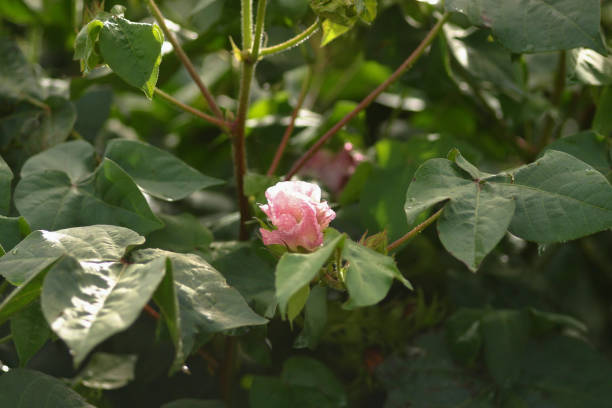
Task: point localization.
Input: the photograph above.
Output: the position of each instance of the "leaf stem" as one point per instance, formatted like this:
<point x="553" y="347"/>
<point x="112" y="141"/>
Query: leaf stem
<point x="415" y="230"/>
<point x="6" y="338"/>
<point x="185" y="60"/>
<point x="221" y="123"/>
<point x="283" y="144"/>
<point x="408" y="63"/>
<point x="555" y="99"/>
<point x="259" y="24"/>
<point x="292" y="42"/>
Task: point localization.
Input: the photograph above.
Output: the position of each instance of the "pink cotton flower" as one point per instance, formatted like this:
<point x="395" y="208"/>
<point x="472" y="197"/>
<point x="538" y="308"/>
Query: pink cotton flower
<point x="296" y="210"/>
<point x="333" y="170"/>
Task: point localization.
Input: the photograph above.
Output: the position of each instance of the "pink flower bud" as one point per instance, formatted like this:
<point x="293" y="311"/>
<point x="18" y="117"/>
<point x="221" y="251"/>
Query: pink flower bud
<point x="296" y="210"/>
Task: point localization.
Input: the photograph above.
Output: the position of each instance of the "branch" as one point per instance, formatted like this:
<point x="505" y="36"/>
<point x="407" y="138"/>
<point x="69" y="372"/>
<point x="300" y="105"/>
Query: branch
<point x="185" y="60"/>
<point x="283" y="144"/>
<point x="415" y="230"/>
<point x="408" y="63"/>
<point x="303" y="36"/>
<point x="221" y="123"/>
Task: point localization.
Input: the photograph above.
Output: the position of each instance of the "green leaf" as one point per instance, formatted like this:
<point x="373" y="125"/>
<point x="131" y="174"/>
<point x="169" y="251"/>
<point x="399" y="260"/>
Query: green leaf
<point x="297" y="302"/>
<point x="207" y="304"/>
<point x="23" y="388"/>
<point x="246" y="270"/>
<point x="537" y="25"/>
<point x="86" y="302"/>
<point x="315" y="319"/>
<point x="505" y="334"/>
<point x="106" y="371"/>
<point x="353" y="188"/>
<point x="369" y="275"/>
<point x="167" y="301"/>
<point x="408" y="377"/>
<point x="294" y="271"/>
<point x="331" y="31"/>
<point x="181" y="233"/>
<point x="589" y="67"/>
<point x="546" y="321"/>
<point x="76" y="158"/>
<point x="6" y="177"/>
<point x="304" y="383"/>
<point x="554" y="199"/>
<point x="40" y="249"/>
<point x="194" y="403"/>
<point x="156" y="171"/>
<point x="50" y="200"/>
<point x="85" y="45"/>
<point x="132" y="51"/>
<point x="565" y="372"/>
<point x="30" y="332"/>
<point x="17" y="76"/>
<point x="21" y="296"/>
<point x="559" y="198"/>
<point x="589" y="147"/>
<point x="471" y="226"/>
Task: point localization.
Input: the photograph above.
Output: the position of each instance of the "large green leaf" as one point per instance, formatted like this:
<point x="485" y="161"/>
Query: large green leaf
<point x="86" y="302"/>
<point x="50" y="200"/>
<point x="96" y="243"/>
<point x="23" y="388"/>
<point x="369" y="275"/>
<point x="207" y="304"/>
<point x="556" y="198"/>
<point x="133" y="51"/>
<point x="589" y="147"/>
<point x="30" y="332"/>
<point x="76" y="159"/>
<point x="246" y="270"/>
<point x="6" y="176"/>
<point x="295" y="271"/>
<point x="537" y="25"/>
<point x="559" y="198"/>
<point x="156" y="171"/>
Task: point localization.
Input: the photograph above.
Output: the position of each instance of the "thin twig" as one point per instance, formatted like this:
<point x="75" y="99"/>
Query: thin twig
<point x="292" y="42"/>
<point x="185" y="60"/>
<point x="151" y="312"/>
<point x="408" y="63"/>
<point x="283" y="144"/>
<point x="415" y="230"/>
<point x="221" y="123"/>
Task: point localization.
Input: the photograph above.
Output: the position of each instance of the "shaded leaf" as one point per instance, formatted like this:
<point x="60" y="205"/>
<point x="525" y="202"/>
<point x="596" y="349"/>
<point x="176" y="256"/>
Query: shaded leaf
<point x="315" y="319"/>
<point x="23" y="388"/>
<point x="156" y="171"/>
<point x="12" y="231"/>
<point x="194" y="403"/>
<point x="589" y="147"/>
<point x="17" y="76"/>
<point x="76" y="159"/>
<point x="30" y="332"/>
<point x="181" y="233"/>
<point x="537" y="25"/>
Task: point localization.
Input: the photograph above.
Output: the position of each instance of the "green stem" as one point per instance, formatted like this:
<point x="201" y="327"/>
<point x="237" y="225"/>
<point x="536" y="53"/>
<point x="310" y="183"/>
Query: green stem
<point x="221" y="123"/>
<point x="303" y="36"/>
<point x="555" y="100"/>
<point x="408" y="63"/>
<point x="415" y="230"/>
<point x="185" y="60"/>
<point x="247" y="23"/>
<point x="259" y="24"/>
<point x="6" y="338"/>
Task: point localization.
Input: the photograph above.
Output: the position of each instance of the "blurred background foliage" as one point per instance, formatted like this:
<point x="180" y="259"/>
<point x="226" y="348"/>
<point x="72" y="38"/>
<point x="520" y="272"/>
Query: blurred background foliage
<point x="421" y="349"/>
